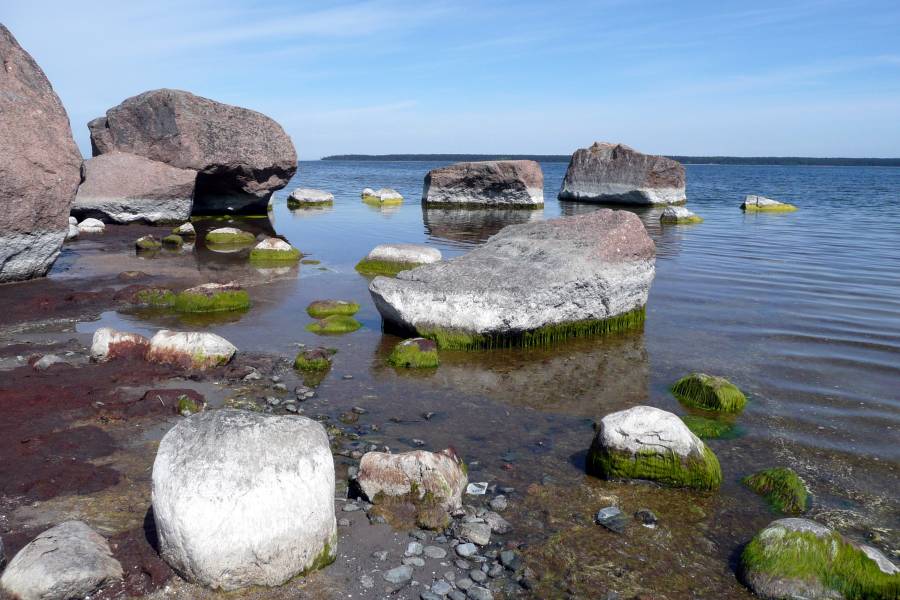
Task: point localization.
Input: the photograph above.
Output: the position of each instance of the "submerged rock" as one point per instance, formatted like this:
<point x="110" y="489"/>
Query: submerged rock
<point x="390" y="259"/>
<point x="109" y="343"/>
<point x="40" y="166"/>
<point x="334" y="324"/>
<point x="243" y="499"/>
<point x="615" y="173"/>
<point x="240" y="155"/>
<point x="799" y="558"/>
<point x="68" y="561"/>
<point x="190" y="349"/>
<point x="382" y="196"/>
<point x="185" y="230"/>
<point x="212" y="297"/>
<point x="416" y="353"/>
<point x="147" y="243"/>
<point x="754" y="203"/>
<point x="679" y="215"/>
<point x="325" y="308"/>
<point x="274" y="250"/>
<point x="91" y="225"/>
<point x="173" y="241"/>
<point x="531" y="284"/>
<point x="125" y="188"/>
<point x="314" y="359"/>
<point x="648" y="443"/>
<point x="494" y="183"/>
<point x="782" y="487"/>
<point x="709" y="392"/>
<point x="229" y="236"/>
<point x="305" y="197"/>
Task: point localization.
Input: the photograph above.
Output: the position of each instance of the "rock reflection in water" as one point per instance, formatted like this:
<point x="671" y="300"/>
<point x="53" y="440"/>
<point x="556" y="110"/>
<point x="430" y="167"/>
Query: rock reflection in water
<point x="471" y="226"/>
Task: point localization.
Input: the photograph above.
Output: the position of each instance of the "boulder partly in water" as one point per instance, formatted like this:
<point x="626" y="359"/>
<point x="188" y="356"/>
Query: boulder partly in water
<point x="494" y="183"/>
<point x="190" y="349"/>
<point x="531" y="284"/>
<point x="617" y="174"/>
<point x="753" y="203"/>
<point x="390" y="259"/>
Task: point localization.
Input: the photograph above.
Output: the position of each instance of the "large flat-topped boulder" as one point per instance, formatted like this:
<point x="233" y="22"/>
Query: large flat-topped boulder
<point x="241" y="156"/>
<point x="499" y="183"/>
<point x="125" y="188"/>
<point x="617" y="174"/>
<point x="39" y="166"/>
<point x="530" y="284"/>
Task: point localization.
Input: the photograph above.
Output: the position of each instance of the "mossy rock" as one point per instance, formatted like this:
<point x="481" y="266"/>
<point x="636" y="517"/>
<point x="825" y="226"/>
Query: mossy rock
<point x="335" y="324"/>
<point x="703" y="473"/>
<point x="384" y="267"/>
<point x="692" y="220"/>
<point x="781" y="207"/>
<point x="782" y="487"/>
<point x="417" y="353"/>
<point x="229" y="237"/>
<point x="710" y="429"/>
<point x="377" y="201"/>
<point x="326" y="308"/>
<point x="324" y="558"/>
<point x="315" y="359"/>
<point x="709" y="392"/>
<point x="147" y="243"/>
<point x="796" y="558"/>
<point x="187" y="406"/>
<point x="173" y="241"/>
<point x="536" y="338"/>
<point x="267" y="255"/>
<point x="226" y="300"/>
<point x="155" y="297"/>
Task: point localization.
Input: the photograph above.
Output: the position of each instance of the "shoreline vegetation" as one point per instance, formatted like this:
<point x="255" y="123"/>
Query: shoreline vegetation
<point x="688" y="160"/>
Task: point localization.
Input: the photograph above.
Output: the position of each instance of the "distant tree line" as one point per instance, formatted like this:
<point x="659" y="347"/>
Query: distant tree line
<point x="696" y="160"/>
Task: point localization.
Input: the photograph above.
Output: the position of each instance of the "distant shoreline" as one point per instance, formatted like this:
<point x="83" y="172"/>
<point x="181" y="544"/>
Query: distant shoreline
<point x="688" y="160"/>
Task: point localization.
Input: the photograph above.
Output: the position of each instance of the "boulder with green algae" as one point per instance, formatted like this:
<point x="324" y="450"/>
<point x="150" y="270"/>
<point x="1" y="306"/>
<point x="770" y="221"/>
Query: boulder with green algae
<point x="709" y="392"/>
<point x="308" y="198"/>
<point x="753" y="203"/>
<point x="326" y="308"/>
<point x="314" y="359"/>
<point x="173" y="241"/>
<point x="796" y="558"/>
<point x="334" y="324"/>
<point x="782" y="487"/>
<point x="212" y="297"/>
<point x="416" y="353"/>
<point x="709" y="429"/>
<point x="390" y="259"/>
<point x="679" y="215"/>
<point x="274" y="250"/>
<point x="185" y="230"/>
<point x="381" y="196"/>
<point x="147" y="243"/>
<point x="648" y="443"/>
<point x="229" y="236"/>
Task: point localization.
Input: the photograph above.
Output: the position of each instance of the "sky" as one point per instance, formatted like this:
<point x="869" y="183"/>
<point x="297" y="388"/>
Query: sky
<point x="787" y="78"/>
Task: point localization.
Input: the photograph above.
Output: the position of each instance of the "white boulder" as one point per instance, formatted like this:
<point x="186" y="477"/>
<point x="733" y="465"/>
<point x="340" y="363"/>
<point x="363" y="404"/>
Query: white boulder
<point x="383" y="195"/>
<point x="405" y="253"/>
<point x="91" y="225"/>
<point x="242" y="498"/>
<point x="109" y="343"/>
<point x="678" y="215"/>
<point x="190" y="349"/>
<point x="185" y="230"/>
<point x="310" y="196"/>
<point x="67" y="561"/>
<point x="440" y="474"/>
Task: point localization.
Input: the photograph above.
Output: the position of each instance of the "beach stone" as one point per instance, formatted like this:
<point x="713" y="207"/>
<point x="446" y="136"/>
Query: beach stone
<point x="466" y="550"/>
<point x="40" y="166"/>
<point x="273" y="248"/>
<point x="497" y="523"/>
<point x="108" y="343"/>
<point x="615" y="173"/>
<point x="438" y="475"/>
<point x="493" y="183"/>
<point x="414" y="561"/>
<point x="754" y="203"/>
<point x="125" y="188"/>
<point x="479" y="593"/>
<point x="190" y="349"/>
<point x="47" y="361"/>
<point x="91" y="225"/>
<point x="428" y="595"/>
<point x="612" y="518"/>
<point x="240" y="156"/>
<point x="307" y="196"/>
<point x="414" y="549"/>
<point x="510" y="559"/>
<point x="68" y="561"/>
<point x="435" y="552"/>
<point x="477" y="575"/>
<point x="678" y="215"/>
<point x="644" y="442"/>
<point x="477" y="533"/>
<point x="242" y="498"/>
<point x="441" y="587"/>
<point x="399" y="576"/>
<point x="499" y="503"/>
<point x="405" y="253"/>
<point x="381" y="196"/>
<point x="553" y="273"/>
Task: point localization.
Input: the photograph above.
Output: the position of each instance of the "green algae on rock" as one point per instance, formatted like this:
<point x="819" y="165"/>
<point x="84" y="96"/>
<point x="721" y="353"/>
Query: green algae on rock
<point x="314" y="359"/>
<point x="391" y="259"/>
<point x="799" y="558"/>
<point x="679" y="215"/>
<point x="212" y="297"/>
<point x="782" y="487"/>
<point x="173" y="241"/>
<point x="185" y="230"/>
<point x="229" y="236"/>
<point x="416" y="353"/>
<point x="147" y="243"/>
<point x="155" y="297"/>
<point x="753" y="203"/>
<point x="334" y="324"/>
<point x="309" y="198"/>
<point x="381" y="197"/>
<point x="187" y="406"/>
<point x="274" y="250"/>
<point x="325" y="308"/>
<point x="709" y="392"/>
<point x="648" y="443"/>
<point x="381" y="267"/>
<point x="709" y="429"/>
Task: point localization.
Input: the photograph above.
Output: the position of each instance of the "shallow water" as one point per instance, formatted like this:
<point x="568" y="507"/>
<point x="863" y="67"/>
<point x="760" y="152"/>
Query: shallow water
<point x="801" y="310"/>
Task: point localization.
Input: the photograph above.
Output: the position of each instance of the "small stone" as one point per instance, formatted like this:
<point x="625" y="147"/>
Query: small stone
<point x="466" y="550"/>
<point x="463" y="564"/>
<point x="510" y="560"/>
<point x="495" y="571"/>
<point x="413" y="549"/>
<point x="499" y="503"/>
<point x="359" y="410"/>
<point x="646" y="517"/>
<point x="380" y="555"/>
<point x="435" y="552"/>
<point x="479" y="593"/>
<point x="478" y="533"/>
<point x="414" y="561"/>
<point x="399" y="575"/>
<point x="498" y="524"/>
<point x="464" y="583"/>
<point x="477" y="575"/>
<point x="280" y="387"/>
<point x="450" y="576"/>
<point x="440" y="587"/>
<point x="290" y="407"/>
<point x="612" y="518"/>
<point x="252" y="376"/>
<point x="47" y="361"/>
<point x="350" y="507"/>
<point x="343" y="522"/>
<point x="427" y="415"/>
<point x="477" y="488"/>
<point x="456" y="595"/>
<point x="429" y="596"/>
<point x="273" y="401"/>
<point x="367" y="582"/>
<point x="347" y="377"/>
<point x="418" y="442"/>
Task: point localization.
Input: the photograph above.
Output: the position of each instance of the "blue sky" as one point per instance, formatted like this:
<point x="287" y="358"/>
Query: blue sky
<point x="383" y="76"/>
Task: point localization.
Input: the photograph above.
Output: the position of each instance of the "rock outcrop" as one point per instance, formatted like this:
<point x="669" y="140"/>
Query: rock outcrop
<point x="68" y="561"/>
<point x="648" y="443"/>
<point x="494" y="183"/>
<point x="190" y="349"/>
<point x="124" y="188"/>
<point x="530" y="284"/>
<point x="242" y="498"/>
<point x="617" y="174"/>
<point x="240" y="156"/>
<point x="40" y="166"/>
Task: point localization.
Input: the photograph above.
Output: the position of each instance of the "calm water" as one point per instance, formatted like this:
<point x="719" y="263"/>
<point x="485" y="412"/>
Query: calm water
<point x="801" y="310"/>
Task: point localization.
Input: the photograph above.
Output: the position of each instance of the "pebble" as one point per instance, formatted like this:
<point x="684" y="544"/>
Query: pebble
<point x="456" y="595"/>
<point x="478" y="533"/>
<point x="429" y="596"/>
<point x="464" y="583"/>
<point x="276" y="379"/>
<point x="440" y="587"/>
<point x="413" y="549"/>
<point x="480" y="593"/>
<point x="413" y="561"/>
<point x="343" y="522"/>
<point x="347" y="377"/>
<point x="435" y="552"/>
<point x="510" y="560"/>
<point x="273" y="401"/>
<point x="463" y="564"/>
<point x="399" y="575"/>
<point x="477" y="575"/>
<point x="427" y="416"/>
<point x="380" y="555"/>
<point x="466" y="550"/>
<point x="359" y="410"/>
<point x="495" y="571"/>
<point x="477" y="488"/>
<point x="612" y="518"/>
<point x="290" y="407"/>
<point x="367" y="582"/>
<point x="499" y="503"/>
<point x="646" y="516"/>
<point x="418" y="442"/>
<point x="252" y="376"/>
<point x="350" y="507"/>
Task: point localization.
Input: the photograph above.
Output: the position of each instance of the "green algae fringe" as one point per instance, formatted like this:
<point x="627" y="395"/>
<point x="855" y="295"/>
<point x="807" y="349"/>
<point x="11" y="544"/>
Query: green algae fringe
<point x="709" y="393"/>
<point x="681" y="220"/>
<point x="334" y="324"/>
<point x="157" y="298"/>
<point x="383" y="267"/>
<point x="831" y="561"/>
<point x="376" y="201"/>
<point x="187" y="405"/>
<point x="295" y="204"/>
<point x="230" y="239"/>
<point x="326" y="308"/>
<point x="543" y="336"/>
<point x="267" y="255"/>
<point x="709" y="429"/>
<point x="147" y="243"/>
<point x="411" y="356"/>
<point x="781" y="486"/>
<point x="218" y="302"/>
<point x="699" y="473"/>
<point x="777" y="208"/>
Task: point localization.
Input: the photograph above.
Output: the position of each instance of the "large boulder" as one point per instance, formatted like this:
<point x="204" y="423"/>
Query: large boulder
<point x="68" y="561"/>
<point x="242" y="498"/>
<point x="40" y="166"/>
<point x="799" y="558"/>
<point x="530" y="284"/>
<point x="493" y="183"/>
<point x="617" y="174"/>
<point x="241" y="156"/>
<point x="644" y="442"/>
<point x="123" y="188"/>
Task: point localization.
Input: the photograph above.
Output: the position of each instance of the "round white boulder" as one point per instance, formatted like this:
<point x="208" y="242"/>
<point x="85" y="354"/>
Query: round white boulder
<point x="648" y="429"/>
<point x="405" y="253"/>
<point x="91" y="225"/>
<point x="243" y="498"/>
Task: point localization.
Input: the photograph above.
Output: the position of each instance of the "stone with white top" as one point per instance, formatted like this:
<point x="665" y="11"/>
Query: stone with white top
<point x="190" y="349"/>
<point x="91" y="225"/>
<point x="494" y="183"/>
<point x="405" y="253"/>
